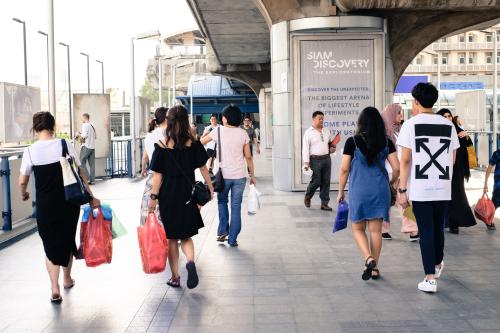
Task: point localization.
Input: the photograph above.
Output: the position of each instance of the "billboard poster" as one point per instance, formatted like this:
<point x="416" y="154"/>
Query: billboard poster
<point x="16" y="111"/>
<point x="98" y="106"/>
<point x="336" y="78"/>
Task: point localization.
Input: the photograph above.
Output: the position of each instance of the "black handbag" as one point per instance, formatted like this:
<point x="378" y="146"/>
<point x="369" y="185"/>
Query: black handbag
<point x="218" y="181"/>
<point x="200" y="194"/>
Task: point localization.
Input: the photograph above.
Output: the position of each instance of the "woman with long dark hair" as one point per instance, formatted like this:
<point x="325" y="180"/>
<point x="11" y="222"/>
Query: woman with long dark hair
<point x="56" y="218"/>
<point x="155" y="133"/>
<point x="175" y="158"/>
<point x="363" y="163"/>
<point x="459" y="213"/>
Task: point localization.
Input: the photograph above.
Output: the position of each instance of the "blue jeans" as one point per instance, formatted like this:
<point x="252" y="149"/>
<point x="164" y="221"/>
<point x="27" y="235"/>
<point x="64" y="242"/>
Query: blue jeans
<point x="233" y="228"/>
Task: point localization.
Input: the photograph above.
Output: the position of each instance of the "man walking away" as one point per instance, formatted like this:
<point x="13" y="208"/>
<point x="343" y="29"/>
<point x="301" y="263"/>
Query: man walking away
<point x="247" y="126"/>
<point x="429" y="144"/>
<point x="87" y="153"/>
<point x="316" y="152"/>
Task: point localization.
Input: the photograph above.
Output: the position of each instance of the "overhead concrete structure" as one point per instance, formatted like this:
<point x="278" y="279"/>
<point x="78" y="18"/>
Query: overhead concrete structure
<point x="262" y="43"/>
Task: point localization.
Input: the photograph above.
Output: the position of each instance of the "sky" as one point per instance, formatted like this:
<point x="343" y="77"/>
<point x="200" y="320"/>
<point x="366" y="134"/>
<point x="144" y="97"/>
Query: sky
<point x="101" y="28"/>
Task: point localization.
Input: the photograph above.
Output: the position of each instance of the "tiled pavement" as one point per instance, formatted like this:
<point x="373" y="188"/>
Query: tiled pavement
<point x="289" y="274"/>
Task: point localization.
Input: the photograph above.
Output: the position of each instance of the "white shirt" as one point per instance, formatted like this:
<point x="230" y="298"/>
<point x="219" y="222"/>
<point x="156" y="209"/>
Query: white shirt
<point x="315" y="143"/>
<point x="432" y="140"/>
<point x="152" y="138"/>
<point x="89" y="134"/>
<point x="44" y="152"/>
<point x="211" y="144"/>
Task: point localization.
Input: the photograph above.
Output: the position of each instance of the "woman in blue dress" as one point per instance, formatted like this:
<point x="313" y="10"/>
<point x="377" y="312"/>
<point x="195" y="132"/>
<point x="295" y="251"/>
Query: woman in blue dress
<point x="363" y="163"/>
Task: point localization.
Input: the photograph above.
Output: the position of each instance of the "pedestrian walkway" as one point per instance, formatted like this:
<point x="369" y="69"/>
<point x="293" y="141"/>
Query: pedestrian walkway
<point x="289" y="274"/>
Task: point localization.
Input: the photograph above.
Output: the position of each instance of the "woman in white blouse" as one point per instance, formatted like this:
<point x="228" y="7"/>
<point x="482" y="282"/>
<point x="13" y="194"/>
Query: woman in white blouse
<point x="56" y="218"/>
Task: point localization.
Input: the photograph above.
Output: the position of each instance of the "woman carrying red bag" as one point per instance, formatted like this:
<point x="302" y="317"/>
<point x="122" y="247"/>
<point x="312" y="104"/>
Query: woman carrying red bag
<point x="494" y="163"/>
<point x="175" y="158"/>
<point x="56" y="218"/>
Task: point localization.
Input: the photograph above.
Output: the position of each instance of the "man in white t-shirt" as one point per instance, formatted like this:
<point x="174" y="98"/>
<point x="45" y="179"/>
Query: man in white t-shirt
<point x="87" y="153"/>
<point x="211" y="146"/>
<point x="429" y="144"/>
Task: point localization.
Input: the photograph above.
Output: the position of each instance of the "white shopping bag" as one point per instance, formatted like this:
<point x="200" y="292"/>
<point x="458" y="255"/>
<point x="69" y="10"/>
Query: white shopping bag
<point x="253" y="200"/>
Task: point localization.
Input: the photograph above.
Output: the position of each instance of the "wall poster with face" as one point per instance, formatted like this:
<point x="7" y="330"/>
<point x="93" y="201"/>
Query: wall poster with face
<point x="337" y="78"/>
<point x="17" y="109"/>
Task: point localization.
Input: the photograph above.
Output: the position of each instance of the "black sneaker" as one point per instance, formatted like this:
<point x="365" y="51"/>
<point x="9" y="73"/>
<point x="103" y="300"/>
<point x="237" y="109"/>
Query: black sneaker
<point x="491" y="227"/>
<point x="386" y="236"/>
<point x="414" y="238"/>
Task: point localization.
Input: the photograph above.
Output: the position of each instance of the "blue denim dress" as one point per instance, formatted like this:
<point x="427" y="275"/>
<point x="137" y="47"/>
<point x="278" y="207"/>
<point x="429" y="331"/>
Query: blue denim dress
<point x="369" y="193"/>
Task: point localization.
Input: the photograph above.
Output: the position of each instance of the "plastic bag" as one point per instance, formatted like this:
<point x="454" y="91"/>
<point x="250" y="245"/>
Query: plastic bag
<point x="253" y="200"/>
<point x="485" y="209"/>
<point x="153" y="245"/>
<point x="98" y="242"/>
<point x="342" y="217"/>
<point x="117" y="229"/>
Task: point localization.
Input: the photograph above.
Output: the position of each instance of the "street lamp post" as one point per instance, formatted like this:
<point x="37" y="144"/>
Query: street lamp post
<point x="133" y="134"/>
<point x="69" y="93"/>
<point x="88" y="71"/>
<point x="439" y="79"/>
<point x="495" y="83"/>
<point x="191" y="81"/>
<point x="48" y="72"/>
<point x="102" y="74"/>
<point x="25" y="54"/>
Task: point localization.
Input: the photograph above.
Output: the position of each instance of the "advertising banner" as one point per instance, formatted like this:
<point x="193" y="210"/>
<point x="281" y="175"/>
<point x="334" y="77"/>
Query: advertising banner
<point x="17" y="105"/>
<point x="336" y="78"/>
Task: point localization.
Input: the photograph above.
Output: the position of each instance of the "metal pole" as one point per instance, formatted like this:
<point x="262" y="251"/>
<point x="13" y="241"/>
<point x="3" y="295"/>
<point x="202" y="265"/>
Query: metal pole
<point x="173" y="85"/>
<point x="25" y="56"/>
<point x="495" y="82"/>
<point x="191" y="98"/>
<point x="88" y="75"/>
<point x="132" y="109"/>
<point x="439" y="79"/>
<point x="160" y="83"/>
<point x="48" y="72"/>
<point x="102" y="74"/>
<point x="69" y="92"/>
<point x="7" y="203"/>
<point x="52" y="62"/>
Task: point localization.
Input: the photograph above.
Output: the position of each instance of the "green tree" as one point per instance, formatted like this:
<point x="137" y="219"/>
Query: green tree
<point x="148" y="91"/>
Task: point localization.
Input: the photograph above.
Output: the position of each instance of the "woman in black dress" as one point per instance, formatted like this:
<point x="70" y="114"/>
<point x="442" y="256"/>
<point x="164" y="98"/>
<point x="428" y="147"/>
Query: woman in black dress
<point x="459" y="214"/>
<point x="56" y="218"/>
<point x="174" y="161"/>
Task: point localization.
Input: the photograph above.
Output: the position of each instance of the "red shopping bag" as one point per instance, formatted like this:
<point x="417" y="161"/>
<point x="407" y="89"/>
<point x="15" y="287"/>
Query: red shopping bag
<point x="485" y="209"/>
<point x="98" y="245"/>
<point x="153" y="245"/>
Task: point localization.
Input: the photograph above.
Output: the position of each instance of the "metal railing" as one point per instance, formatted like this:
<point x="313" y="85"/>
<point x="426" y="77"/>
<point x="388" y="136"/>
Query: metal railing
<point x="119" y="163"/>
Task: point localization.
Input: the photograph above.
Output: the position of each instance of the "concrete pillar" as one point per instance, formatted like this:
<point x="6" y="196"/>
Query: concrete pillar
<point x="283" y="148"/>
<point x="286" y="101"/>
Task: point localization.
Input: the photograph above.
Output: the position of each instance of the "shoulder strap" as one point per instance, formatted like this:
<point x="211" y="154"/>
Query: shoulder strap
<point x="64" y="145"/>
<point x="179" y="167"/>
<point x="219" y="145"/>
<point x="95" y="133"/>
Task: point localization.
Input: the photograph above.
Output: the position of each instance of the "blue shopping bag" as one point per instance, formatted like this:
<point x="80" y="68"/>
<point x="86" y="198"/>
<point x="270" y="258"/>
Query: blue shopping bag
<point x="342" y="217"/>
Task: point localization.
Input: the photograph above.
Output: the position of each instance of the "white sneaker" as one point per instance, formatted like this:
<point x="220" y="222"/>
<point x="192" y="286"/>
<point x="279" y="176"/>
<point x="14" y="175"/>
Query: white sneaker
<point x="439" y="270"/>
<point x="428" y="286"/>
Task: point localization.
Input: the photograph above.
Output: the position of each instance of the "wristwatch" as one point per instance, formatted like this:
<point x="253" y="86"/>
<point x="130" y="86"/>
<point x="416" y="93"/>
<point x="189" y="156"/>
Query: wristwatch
<point x="402" y="190"/>
<point x="153" y="196"/>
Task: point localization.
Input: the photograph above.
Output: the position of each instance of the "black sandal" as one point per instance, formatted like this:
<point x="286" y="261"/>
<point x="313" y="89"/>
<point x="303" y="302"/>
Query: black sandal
<point x="192" y="280"/>
<point x="377" y="276"/>
<point x="174" y="282"/>
<point x="56" y="299"/>
<point x="370" y="265"/>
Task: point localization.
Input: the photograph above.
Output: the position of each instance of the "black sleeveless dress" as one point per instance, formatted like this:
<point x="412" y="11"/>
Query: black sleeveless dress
<point x="57" y="219"/>
<point x="180" y="220"/>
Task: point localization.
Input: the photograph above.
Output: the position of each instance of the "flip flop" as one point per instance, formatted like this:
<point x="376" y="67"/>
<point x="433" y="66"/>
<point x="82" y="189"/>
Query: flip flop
<point x="56" y="299"/>
<point x="369" y="266"/>
<point x="192" y="280"/>
<point x="71" y="285"/>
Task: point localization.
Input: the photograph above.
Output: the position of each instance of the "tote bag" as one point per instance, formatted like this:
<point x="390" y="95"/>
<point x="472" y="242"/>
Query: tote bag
<point x="74" y="190"/>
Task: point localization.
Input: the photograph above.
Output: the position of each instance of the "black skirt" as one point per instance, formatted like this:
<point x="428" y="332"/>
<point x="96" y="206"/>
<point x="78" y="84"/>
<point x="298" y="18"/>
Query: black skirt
<point x="57" y="219"/>
<point x="460" y="213"/>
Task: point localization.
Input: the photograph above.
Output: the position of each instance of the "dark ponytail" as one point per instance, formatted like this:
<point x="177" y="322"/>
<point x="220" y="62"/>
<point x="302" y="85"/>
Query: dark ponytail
<point x="160" y="116"/>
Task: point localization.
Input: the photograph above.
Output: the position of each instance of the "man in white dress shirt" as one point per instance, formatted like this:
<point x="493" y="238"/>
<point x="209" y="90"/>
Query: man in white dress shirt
<point x="87" y="154"/>
<point x="316" y="150"/>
